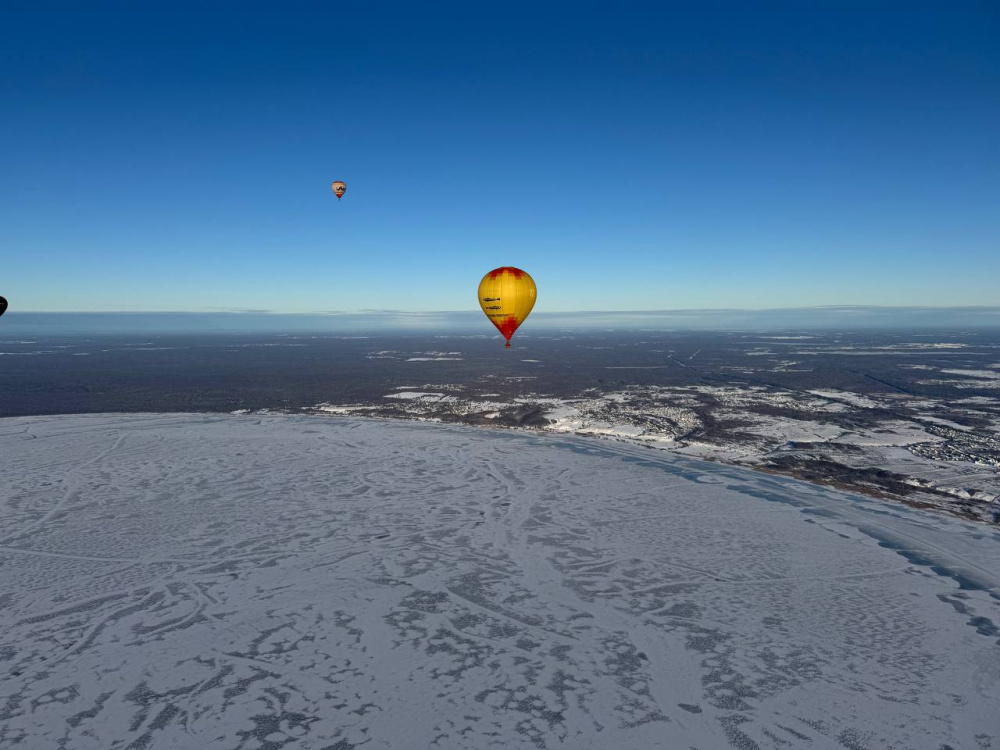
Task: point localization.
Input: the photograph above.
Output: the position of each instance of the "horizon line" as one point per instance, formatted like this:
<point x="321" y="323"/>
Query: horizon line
<point x="660" y="311"/>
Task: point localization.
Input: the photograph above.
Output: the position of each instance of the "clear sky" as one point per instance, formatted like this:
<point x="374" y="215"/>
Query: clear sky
<point x="630" y="156"/>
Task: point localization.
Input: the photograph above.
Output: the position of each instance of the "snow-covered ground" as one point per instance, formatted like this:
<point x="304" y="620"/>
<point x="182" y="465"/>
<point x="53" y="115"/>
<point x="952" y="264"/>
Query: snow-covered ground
<point x="299" y="583"/>
<point x="762" y="427"/>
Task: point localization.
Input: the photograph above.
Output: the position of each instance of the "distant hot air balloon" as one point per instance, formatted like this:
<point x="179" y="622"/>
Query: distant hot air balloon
<point x="507" y="295"/>
<point x="339" y="188"/>
<point x="3" y="305"/>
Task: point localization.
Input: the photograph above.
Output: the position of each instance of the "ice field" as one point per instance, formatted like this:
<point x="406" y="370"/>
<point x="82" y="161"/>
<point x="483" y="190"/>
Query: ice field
<point x="314" y="583"/>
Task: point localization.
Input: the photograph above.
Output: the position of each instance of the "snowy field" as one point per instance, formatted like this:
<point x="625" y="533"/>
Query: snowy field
<point x="827" y="436"/>
<point x="302" y="583"/>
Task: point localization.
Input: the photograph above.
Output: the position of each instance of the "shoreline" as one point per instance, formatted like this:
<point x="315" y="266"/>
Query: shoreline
<point x="648" y="448"/>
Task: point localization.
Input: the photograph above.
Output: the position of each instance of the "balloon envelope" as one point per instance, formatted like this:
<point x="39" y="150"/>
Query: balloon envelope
<point x="3" y="305"/>
<point x="339" y="188"/>
<point x="507" y="295"/>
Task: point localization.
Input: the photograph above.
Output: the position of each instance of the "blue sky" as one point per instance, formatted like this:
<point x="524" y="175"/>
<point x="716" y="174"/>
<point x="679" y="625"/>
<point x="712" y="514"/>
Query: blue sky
<point x="629" y="156"/>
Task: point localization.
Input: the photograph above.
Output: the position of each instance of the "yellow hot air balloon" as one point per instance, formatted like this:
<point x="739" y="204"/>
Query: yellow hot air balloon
<point x="507" y="295"/>
<point x="339" y="188"/>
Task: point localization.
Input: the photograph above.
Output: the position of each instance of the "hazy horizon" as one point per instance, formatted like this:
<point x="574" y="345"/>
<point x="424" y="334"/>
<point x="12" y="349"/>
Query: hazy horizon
<point x="826" y="318"/>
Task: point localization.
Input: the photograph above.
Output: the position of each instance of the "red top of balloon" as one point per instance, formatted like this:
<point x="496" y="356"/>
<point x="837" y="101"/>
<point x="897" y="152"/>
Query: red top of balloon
<point x="515" y="272"/>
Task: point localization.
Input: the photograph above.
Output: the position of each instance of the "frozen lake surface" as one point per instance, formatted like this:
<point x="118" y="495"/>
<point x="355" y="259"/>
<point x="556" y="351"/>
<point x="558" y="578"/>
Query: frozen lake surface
<point x="306" y="583"/>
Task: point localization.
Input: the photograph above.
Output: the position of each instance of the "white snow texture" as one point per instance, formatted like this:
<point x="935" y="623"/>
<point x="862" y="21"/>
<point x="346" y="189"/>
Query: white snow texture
<point x="314" y="583"/>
